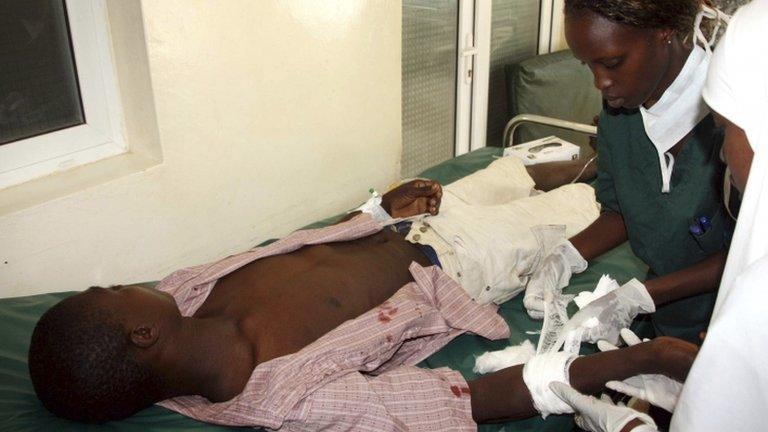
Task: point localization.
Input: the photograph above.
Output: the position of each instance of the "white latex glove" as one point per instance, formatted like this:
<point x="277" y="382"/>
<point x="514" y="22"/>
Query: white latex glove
<point x="603" y="318"/>
<point x="553" y="274"/>
<point x="598" y="415"/>
<point x="656" y="389"/>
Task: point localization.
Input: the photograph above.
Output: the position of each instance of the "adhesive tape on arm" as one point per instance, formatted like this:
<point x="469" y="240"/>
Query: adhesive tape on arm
<point x="374" y="208"/>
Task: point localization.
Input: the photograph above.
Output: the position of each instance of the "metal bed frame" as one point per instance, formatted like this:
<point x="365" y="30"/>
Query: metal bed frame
<point x="509" y="129"/>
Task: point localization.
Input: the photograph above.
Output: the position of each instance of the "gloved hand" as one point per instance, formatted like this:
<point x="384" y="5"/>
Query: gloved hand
<point x="598" y="415"/>
<point x="656" y="389"/>
<point x="603" y="318"/>
<point x="553" y="274"/>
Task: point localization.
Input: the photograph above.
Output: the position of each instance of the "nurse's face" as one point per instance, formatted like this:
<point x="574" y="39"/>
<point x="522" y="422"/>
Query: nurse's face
<point x="628" y="63"/>
<point x="737" y="152"/>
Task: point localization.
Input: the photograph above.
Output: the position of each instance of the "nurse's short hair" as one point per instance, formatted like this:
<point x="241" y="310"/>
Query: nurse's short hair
<point x="81" y="367"/>
<point x="678" y="15"/>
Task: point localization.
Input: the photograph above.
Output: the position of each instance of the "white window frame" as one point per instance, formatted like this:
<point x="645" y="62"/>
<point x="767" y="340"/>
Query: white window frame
<point x="102" y="135"/>
<point x="473" y="64"/>
<point x="465" y="69"/>
<point x="472" y="78"/>
<point x="552" y="26"/>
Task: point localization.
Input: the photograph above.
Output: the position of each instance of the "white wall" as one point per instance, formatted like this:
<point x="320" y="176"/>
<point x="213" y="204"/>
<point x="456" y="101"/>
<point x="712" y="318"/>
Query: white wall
<point x="271" y="114"/>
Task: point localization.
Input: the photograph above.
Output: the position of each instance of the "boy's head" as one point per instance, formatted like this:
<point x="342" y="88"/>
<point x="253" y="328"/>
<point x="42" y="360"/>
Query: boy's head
<point x="88" y="357"/>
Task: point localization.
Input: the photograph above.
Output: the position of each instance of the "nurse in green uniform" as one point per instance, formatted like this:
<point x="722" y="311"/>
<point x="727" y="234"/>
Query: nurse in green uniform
<point x="659" y="171"/>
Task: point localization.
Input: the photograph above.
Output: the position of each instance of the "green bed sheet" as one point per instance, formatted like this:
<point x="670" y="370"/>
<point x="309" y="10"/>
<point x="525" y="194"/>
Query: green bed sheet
<point x="21" y="411"/>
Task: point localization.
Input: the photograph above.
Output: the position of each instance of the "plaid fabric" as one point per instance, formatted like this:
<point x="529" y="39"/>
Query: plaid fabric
<point x="360" y="376"/>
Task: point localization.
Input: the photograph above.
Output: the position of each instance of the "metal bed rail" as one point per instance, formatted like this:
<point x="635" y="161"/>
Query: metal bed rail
<point x="509" y="129"/>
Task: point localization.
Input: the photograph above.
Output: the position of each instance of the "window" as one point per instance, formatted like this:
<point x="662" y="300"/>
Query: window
<point x="59" y="106"/>
<point x="454" y="56"/>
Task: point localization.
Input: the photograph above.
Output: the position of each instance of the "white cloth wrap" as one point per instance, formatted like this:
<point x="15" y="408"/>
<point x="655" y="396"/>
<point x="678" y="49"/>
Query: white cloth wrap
<point x="373" y="207"/>
<point x="492" y="361"/>
<point x="541" y="370"/>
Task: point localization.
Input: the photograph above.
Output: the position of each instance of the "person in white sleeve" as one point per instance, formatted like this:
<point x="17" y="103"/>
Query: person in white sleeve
<point x="727" y="388"/>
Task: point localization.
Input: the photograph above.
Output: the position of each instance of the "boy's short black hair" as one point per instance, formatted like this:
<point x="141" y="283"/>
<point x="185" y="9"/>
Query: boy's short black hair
<point x="81" y="366"/>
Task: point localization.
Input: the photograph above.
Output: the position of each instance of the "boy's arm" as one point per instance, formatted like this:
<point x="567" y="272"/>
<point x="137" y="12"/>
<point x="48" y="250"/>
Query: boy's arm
<point x="409" y="199"/>
<point x="413" y="198"/>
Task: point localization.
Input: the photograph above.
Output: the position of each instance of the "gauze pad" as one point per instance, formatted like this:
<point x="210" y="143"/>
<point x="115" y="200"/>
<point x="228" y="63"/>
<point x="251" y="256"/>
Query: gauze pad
<point x="541" y="370"/>
<point x="604" y="286"/>
<point x="492" y="361"/>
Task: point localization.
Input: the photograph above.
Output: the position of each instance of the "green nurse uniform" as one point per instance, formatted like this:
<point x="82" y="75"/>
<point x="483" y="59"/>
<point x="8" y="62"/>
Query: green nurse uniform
<point x="659" y="224"/>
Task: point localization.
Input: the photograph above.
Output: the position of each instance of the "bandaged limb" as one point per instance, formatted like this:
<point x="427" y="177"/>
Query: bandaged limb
<point x="600" y="415"/>
<point x="493" y="361"/>
<point x="504" y="395"/>
<point x="655" y="389"/>
<point x="539" y="373"/>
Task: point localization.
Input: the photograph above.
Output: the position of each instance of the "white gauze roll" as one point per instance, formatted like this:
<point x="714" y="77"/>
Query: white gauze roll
<point x="492" y="361"/>
<point x="541" y="370"/>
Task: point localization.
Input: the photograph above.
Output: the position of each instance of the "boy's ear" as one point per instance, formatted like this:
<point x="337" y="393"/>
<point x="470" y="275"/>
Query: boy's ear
<point x="144" y="335"/>
<point x="665" y="36"/>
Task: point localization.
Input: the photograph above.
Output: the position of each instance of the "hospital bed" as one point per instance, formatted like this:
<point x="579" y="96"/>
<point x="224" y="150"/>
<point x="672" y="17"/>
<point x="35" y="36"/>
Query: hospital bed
<point x="552" y="85"/>
<point x="21" y="411"/>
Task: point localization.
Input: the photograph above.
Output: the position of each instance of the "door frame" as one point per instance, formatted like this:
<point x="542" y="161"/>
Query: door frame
<point x="472" y="74"/>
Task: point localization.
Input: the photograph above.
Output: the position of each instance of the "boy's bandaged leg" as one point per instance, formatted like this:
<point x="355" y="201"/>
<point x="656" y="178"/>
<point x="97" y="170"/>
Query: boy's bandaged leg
<point x="541" y="370"/>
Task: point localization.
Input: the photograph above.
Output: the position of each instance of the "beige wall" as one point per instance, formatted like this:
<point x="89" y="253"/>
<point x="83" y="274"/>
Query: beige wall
<point x="271" y="114"/>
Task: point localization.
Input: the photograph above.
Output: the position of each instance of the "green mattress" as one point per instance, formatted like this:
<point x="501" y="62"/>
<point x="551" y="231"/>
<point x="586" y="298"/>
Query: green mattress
<point x="21" y="411"/>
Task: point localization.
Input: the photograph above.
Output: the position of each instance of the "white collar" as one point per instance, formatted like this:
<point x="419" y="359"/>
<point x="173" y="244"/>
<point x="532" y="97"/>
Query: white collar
<point x="678" y="111"/>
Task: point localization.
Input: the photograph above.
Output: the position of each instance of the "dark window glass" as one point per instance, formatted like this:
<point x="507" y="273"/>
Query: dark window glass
<point x="38" y="80"/>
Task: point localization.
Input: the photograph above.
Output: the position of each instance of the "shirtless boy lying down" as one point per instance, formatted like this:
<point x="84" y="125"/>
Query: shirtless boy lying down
<point x="321" y="329"/>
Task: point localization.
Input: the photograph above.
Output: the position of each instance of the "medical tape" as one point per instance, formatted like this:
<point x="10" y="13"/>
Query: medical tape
<point x="573" y="338"/>
<point x="539" y="372"/>
<point x="569" y="339"/>
<point x="373" y="208"/>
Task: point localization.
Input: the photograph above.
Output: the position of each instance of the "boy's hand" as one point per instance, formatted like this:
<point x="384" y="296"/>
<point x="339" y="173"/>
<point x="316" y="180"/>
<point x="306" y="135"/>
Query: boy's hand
<point x="413" y="198"/>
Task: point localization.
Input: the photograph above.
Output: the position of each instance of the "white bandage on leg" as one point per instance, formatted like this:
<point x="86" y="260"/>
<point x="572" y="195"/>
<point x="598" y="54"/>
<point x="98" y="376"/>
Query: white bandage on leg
<point x="541" y="370"/>
<point x="492" y="361"/>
